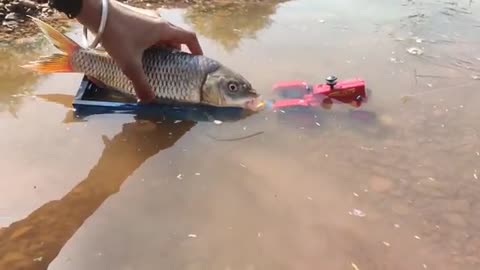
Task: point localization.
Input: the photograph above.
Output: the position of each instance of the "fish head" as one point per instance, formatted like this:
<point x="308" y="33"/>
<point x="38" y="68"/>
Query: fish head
<point x="226" y="88"/>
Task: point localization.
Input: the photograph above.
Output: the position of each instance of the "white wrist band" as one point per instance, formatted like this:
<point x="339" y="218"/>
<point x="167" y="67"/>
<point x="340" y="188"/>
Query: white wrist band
<point x="101" y="28"/>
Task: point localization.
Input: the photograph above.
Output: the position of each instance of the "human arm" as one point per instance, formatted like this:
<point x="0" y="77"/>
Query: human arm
<point x="128" y="32"/>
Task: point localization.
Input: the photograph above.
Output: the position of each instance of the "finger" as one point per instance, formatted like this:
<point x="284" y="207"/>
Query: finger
<point x="133" y="69"/>
<point x="183" y="36"/>
<point x="174" y="45"/>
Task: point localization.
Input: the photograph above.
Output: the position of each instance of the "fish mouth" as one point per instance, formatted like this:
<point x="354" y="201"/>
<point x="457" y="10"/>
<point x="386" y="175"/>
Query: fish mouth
<point x="254" y="104"/>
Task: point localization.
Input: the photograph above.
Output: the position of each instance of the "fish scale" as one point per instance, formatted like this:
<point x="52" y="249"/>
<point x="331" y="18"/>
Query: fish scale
<point x="173" y="75"/>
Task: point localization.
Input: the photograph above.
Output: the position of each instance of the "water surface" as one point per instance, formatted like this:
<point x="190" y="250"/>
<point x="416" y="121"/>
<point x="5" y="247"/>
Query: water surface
<point x="393" y="185"/>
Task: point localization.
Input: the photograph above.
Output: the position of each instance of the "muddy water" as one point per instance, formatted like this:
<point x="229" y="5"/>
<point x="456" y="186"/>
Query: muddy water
<point x="392" y="185"/>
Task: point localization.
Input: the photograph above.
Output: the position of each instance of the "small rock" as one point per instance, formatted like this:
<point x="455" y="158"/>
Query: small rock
<point x="28" y="4"/>
<point x="10" y="24"/>
<point x="10" y="16"/>
<point x="357" y="212"/>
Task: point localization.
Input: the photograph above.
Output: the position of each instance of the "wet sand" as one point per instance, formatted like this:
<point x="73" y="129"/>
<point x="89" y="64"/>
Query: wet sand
<point x="394" y="189"/>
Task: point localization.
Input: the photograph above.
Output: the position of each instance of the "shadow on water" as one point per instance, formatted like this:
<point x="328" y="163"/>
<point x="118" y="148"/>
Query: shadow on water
<point x="34" y="242"/>
<point x="230" y="22"/>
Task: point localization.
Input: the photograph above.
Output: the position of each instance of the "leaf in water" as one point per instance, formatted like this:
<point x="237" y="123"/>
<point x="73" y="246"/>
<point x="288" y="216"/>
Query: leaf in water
<point x="405" y="99"/>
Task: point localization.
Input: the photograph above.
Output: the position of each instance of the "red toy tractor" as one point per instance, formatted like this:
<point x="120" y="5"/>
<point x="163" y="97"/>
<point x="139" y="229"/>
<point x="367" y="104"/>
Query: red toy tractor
<point x="302" y="94"/>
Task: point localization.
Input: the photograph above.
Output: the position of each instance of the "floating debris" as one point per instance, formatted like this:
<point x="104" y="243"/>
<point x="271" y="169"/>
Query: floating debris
<point x="309" y="198"/>
<point x="39" y="259"/>
<point x="217" y="122"/>
<point x="326" y="155"/>
<point x="430" y="85"/>
<point x="478" y="153"/>
<point x="417" y="237"/>
<point x="425" y="266"/>
<point x="396" y="226"/>
<point x="177" y="121"/>
<point x="475" y="77"/>
<point x="415" y="51"/>
<point x="243" y="165"/>
<point x="197" y="174"/>
<point x="357" y="212"/>
<point x="316" y="123"/>
<point x="259" y="234"/>
<point x="418" y="40"/>
<point x="396" y="61"/>
<point x="386" y="243"/>
<point x="180" y="177"/>
<point x="355" y="266"/>
<point x="192" y="235"/>
<point x="475" y="176"/>
<point x="355" y="194"/>
<point x="321" y="21"/>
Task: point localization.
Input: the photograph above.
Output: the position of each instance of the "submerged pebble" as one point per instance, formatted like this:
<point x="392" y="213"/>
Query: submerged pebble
<point x="415" y="51"/>
<point x="357" y="212"/>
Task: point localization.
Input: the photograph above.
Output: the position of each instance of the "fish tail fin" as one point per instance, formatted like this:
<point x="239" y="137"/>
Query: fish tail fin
<point x="59" y="40"/>
<point x="49" y="64"/>
<point x="56" y="62"/>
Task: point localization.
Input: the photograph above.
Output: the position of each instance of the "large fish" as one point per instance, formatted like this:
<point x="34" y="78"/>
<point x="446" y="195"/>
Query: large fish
<point x="174" y="75"/>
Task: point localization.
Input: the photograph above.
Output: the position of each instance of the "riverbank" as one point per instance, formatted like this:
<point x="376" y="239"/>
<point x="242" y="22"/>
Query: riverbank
<point x="15" y="24"/>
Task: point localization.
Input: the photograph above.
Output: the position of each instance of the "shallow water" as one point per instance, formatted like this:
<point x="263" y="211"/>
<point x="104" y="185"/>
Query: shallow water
<point x="391" y="186"/>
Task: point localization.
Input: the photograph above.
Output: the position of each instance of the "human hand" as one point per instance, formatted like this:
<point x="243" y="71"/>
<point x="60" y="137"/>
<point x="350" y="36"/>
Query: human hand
<point x="128" y="32"/>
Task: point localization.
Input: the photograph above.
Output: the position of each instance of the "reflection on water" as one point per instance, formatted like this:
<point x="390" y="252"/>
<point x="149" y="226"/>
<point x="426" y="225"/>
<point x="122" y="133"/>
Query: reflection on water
<point x="334" y="189"/>
<point x="35" y="241"/>
<point x="14" y="80"/>
<point x="229" y="22"/>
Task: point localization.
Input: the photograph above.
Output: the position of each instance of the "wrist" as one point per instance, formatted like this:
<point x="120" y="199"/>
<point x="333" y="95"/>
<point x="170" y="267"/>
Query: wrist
<point x="90" y="14"/>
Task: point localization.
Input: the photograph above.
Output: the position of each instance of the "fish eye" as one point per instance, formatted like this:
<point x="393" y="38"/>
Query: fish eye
<point x="232" y="87"/>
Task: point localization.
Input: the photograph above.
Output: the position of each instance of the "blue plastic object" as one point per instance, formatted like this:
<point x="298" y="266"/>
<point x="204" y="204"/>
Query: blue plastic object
<point x="91" y="99"/>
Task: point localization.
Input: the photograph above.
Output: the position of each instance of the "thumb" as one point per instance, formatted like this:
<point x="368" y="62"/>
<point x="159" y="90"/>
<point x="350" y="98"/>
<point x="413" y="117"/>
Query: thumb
<point x="132" y="67"/>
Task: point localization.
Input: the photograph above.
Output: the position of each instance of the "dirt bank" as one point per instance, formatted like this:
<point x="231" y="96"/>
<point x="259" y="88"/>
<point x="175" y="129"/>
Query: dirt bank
<point x="14" y="23"/>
